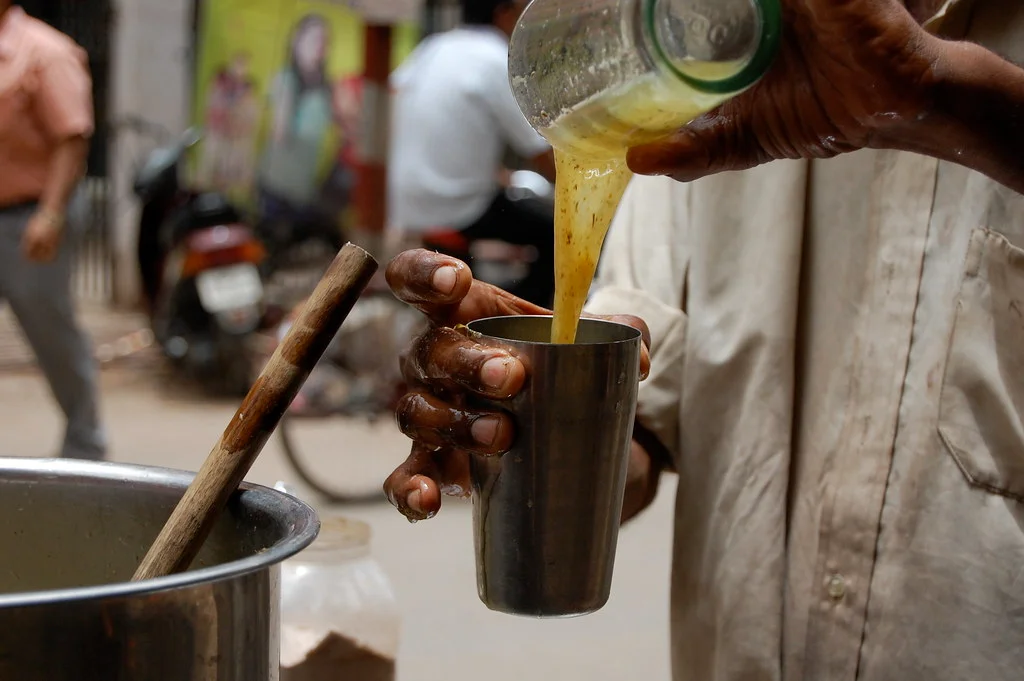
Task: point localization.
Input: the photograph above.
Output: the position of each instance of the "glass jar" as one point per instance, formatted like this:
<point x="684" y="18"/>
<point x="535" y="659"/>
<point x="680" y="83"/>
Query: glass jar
<point x="598" y="76"/>
<point x="339" y="618"/>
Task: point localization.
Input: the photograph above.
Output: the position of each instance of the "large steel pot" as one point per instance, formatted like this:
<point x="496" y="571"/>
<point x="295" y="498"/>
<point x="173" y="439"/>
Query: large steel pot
<point x="72" y="533"/>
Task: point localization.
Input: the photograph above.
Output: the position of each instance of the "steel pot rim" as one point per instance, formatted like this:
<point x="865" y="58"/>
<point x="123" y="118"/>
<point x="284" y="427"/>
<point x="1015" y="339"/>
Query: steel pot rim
<point x="305" y="523"/>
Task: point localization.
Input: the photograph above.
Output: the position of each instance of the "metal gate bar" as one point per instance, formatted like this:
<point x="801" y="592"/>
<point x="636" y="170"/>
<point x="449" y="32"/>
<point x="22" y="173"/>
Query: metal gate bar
<point x="93" y="275"/>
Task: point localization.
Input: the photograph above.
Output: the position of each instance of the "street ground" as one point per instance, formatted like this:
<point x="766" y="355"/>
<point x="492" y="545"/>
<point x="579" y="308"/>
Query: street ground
<point x="448" y="635"/>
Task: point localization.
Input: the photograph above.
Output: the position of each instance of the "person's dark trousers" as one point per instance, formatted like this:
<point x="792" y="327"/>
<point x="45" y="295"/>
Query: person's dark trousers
<point x="526" y="222"/>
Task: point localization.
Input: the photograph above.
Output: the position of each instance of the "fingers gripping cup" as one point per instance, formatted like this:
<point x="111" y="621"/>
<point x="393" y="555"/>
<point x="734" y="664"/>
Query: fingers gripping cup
<point x="546" y="513"/>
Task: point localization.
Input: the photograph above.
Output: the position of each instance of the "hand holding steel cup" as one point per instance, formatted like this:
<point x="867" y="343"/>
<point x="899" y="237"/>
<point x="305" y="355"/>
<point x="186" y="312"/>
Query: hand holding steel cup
<point x="462" y="387"/>
<point x="546" y="514"/>
<point x="444" y="366"/>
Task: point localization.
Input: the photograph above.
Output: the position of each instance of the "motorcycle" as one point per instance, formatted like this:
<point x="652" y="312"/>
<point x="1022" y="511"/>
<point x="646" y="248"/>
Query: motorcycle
<point x="199" y="265"/>
<point x="494" y="261"/>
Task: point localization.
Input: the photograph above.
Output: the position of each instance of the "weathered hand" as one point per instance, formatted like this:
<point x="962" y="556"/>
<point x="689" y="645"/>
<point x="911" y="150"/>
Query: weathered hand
<point x="441" y="368"/>
<point x="41" y="239"/>
<point x="850" y="74"/>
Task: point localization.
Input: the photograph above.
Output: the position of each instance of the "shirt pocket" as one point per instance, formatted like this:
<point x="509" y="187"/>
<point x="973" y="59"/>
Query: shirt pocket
<point x="982" y="397"/>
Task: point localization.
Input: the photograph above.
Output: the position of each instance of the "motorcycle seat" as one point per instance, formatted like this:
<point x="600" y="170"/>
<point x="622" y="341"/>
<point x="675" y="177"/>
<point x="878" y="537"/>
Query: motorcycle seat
<point x="213" y="208"/>
<point x="206" y="209"/>
<point x="454" y="243"/>
<point x="449" y="241"/>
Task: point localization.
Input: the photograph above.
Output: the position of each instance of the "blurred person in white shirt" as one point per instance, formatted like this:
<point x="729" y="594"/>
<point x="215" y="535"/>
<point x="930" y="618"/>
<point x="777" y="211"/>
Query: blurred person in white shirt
<point x="454" y="118"/>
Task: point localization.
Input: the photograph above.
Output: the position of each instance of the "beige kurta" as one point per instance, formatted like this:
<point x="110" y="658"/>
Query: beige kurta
<point x="839" y="365"/>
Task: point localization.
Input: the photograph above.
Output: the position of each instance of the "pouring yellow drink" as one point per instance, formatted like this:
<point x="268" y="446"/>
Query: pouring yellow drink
<point x="590" y="145"/>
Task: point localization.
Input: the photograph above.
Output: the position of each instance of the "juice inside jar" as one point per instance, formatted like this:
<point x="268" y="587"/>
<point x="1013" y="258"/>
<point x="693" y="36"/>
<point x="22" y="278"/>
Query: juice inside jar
<point x="590" y="144"/>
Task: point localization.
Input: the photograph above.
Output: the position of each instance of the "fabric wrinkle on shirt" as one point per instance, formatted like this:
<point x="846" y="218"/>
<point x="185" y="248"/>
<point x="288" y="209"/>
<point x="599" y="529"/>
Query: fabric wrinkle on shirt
<point x="838" y="369"/>
<point x="45" y="98"/>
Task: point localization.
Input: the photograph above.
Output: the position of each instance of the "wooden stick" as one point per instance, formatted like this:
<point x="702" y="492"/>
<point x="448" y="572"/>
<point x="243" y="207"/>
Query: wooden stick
<point x="192" y="520"/>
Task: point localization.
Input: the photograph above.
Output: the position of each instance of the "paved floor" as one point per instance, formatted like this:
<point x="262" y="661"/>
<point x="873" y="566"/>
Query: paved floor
<point x="116" y="335"/>
<point x="448" y="635"/>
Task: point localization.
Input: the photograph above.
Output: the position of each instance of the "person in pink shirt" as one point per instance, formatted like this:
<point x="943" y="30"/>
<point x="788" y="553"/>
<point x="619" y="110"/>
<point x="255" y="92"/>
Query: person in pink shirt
<point x="46" y="120"/>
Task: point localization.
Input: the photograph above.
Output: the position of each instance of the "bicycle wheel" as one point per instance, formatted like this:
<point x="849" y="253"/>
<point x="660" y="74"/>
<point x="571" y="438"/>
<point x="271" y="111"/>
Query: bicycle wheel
<point x="339" y="435"/>
<point x="345" y="460"/>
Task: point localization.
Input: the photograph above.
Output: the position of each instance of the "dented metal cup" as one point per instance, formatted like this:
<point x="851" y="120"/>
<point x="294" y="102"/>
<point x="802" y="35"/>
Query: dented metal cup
<point x="546" y="513"/>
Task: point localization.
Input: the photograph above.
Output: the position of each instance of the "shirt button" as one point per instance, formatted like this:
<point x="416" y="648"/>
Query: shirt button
<point x="836" y="587"/>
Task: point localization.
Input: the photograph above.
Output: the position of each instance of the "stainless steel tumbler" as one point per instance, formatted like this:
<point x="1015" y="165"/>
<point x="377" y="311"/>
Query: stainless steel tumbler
<point x="546" y="513"/>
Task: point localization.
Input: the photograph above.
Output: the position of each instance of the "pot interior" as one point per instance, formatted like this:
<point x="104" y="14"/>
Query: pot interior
<point x="70" y="524"/>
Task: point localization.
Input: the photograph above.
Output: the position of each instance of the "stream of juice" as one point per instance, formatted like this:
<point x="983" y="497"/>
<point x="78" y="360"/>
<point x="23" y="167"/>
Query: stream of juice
<point x="590" y="145"/>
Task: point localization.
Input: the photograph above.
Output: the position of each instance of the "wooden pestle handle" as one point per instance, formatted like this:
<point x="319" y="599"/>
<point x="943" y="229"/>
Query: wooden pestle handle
<point x="195" y="515"/>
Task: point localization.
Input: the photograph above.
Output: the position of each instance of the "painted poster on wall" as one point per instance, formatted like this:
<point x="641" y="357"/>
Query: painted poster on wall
<point x="278" y="99"/>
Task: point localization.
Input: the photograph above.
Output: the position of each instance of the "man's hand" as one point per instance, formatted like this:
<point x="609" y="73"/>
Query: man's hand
<point x="441" y="367"/>
<point x="41" y="239"/>
<point x="855" y="74"/>
<point x="850" y="74"/>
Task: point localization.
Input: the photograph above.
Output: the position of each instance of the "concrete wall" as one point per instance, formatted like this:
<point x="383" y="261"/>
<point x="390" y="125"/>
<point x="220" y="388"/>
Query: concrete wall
<point x="152" y="81"/>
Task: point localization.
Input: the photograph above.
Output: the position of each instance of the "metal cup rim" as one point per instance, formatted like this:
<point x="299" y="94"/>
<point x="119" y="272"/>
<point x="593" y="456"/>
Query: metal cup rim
<point x="635" y="333"/>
